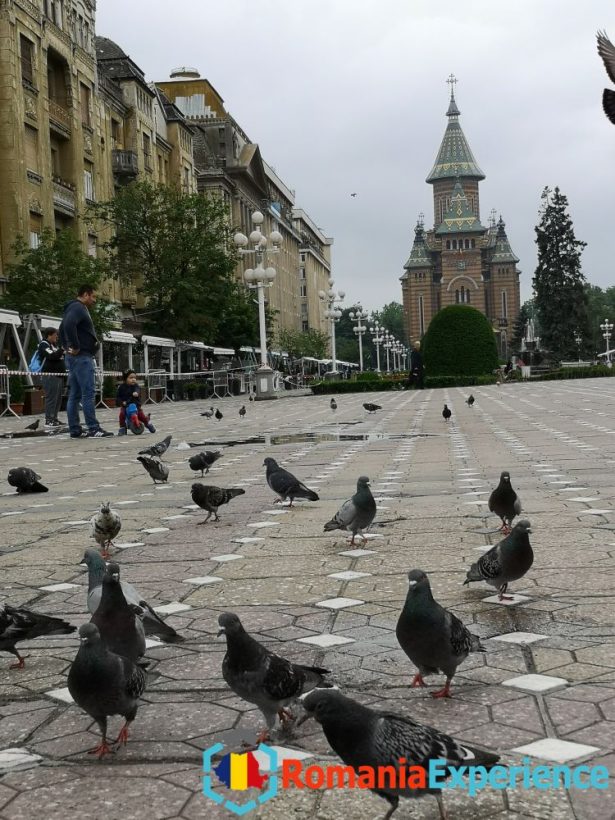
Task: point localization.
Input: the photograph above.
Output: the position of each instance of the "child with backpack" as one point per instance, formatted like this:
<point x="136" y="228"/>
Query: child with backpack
<point x="128" y="399"/>
<point x="49" y="359"/>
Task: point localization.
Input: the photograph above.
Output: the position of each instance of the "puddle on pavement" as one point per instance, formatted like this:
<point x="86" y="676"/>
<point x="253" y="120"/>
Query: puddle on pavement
<point x="295" y="438"/>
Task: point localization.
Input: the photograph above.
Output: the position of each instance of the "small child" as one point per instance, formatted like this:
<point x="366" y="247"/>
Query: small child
<point x="129" y="393"/>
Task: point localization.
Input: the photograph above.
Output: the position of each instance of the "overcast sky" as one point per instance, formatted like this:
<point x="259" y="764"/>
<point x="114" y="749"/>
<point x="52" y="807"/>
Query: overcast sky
<point x="350" y="96"/>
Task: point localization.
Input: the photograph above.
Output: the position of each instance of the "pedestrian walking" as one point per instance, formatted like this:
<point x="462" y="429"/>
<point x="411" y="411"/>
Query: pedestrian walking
<point x="51" y="357"/>
<point x="78" y="338"/>
<point x="416" y="367"/>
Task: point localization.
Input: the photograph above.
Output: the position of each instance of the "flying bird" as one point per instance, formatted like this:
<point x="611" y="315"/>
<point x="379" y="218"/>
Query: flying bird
<point x="203" y="461"/>
<point x="356" y="514"/>
<point x="25" y="480"/>
<point x="505" y="502"/>
<point x="34" y="425"/>
<point x="371" y="408"/>
<point x="209" y="498"/>
<point x="157" y="449"/>
<point x="118" y="621"/>
<point x="104" y="683"/>
<point x="446" y="413"/>
<point x="370" y="740"/>
<point x="353" y="194"/>
<point x="18" y="624"/>
<point x="432" y="637"/>
<point x="285" y="484"/>
<point x="606" y="50"/>
<point x="507" y="561"/>
<point x="157" y="469"/>
<point x="104" y="527"/>
<point x="259" y="676"/>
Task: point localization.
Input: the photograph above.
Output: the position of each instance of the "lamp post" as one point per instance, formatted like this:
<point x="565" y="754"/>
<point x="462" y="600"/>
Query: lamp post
<point x="377" y="339"/>
<point x="387" y="346"/>
<point x="607" y="328"/>
<point x="357" y="315"/>
<point x="333" y="313"/>
<point x="404" y="355"/>
<point x="258" y="279"/>
<point x="578" y="339"/>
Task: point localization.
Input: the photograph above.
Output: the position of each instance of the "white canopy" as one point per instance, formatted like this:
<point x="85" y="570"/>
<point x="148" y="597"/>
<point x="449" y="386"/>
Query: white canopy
<point x="120" y="337"/>
<point x="157" y="341"/>
<point x="223" y="351"/>
<point x="10" y="317"/>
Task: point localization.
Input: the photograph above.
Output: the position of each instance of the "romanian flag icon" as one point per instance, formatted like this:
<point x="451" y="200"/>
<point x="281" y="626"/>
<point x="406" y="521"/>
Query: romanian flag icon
<point x="240" y="771"/>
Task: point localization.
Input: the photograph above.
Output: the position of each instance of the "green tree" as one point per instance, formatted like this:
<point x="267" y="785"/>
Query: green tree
<point x="177" y="249"/>
<point x="525" y="313"/>
<point x="559" y="283"/>
<point x="44" y="279"/>
<point x="309" y="343"/>
<point x="391" y="317"/>
<point x="459" y="342"/>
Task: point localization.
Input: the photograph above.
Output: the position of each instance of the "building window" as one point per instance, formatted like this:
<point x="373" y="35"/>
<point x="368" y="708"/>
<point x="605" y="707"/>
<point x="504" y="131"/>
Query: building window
<point x="456" y="297"/>
<point x="91" y="245"/>
<point x="36" y="227"/>
<point x="53" y="10"/>
<point x="448" y="244"/>
<point x="504" y="305"/>
<point x="302" y="257"/>
<point x="116" y="134"/>
<point x="88" y="182"/>
<point x="302" y="273"/>
<point x="421" y="316"/>
<point x="147" y="152"/>
<point x="303" y="290"/>
<point x="85" y="97"/>
<point x="305" y="326"/>
<point x="473" y="243"/>
<point x="468" y="296"/>
<point x="31" y="141"/>
<point x="26" y="48"/>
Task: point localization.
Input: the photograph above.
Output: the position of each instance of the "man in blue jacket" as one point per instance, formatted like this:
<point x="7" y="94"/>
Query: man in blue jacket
<point x="78" y="338"/>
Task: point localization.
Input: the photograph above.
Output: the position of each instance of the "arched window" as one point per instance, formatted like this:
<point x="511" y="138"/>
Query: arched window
<point x="456" y="297"/>
<point x="473" y="243"/>
<point x="467" y="243"/>
<point x="454" y="244"/>
<point x="468" y="296"/>
<point x="448" y="244"/>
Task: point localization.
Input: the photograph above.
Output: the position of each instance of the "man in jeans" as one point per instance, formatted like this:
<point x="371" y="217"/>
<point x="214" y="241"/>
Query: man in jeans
<point x="78" y="338"/>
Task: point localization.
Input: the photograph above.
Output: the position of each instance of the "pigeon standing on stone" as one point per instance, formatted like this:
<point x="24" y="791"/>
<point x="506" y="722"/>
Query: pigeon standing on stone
<point x="432" y="637"/>
<point x="25" y="480"/>
<point x="356" y="514"/>
<point x="371" y="408"/>
<point x="285" y="484"/>
<point x="218" y="414"/>
<point x="446" y="413"/>
<point x="364" y="737"/>
<point x="242" y="412"/>
<point x="157" y="449"/>
<point x="505" y="502"/>
<point x="104" y="683"/>
<point x="259" y="676"/>
<point x="507" y="561"/>
<point x="34" y="425"/>
<point x="158" y="470"/>
<point x="203" y="461"/>
<point x="210" y="498"/>
<point x="333" y="405"/>
<point x="606" y="50"/>
<point x="208" y="413"/>
<point x="470" y="400"/>
<point x="152" y="623"/>
<point x="118" y="621"/>
<point x="104" y="526"/>
<point x="18" y="624"/>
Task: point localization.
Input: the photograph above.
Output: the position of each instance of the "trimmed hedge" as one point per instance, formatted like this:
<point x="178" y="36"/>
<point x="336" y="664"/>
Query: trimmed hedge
<point x="459" y="340"/>
<point x="351" y="386"/>
<point x="595" y="372"/>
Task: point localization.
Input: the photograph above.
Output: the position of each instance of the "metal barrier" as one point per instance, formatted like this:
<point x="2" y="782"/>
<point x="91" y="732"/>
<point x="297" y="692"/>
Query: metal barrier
<point x="157" y="380"/>
<point x="5" y="392"/>
<point x="98" y="388"/>
<point x="220" y="383"/>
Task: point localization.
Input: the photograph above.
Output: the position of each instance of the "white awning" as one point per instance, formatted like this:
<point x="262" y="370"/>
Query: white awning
<point x="10" y="317"/>
<point x="157" y="341"/>
<point x="223" y="351"/>
<point x="196" y="345"/>
<point x="47" y="321"/>
<point x="120" y="337"/>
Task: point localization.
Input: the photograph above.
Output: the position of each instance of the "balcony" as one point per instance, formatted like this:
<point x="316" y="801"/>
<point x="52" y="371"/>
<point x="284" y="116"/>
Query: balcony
<point x="128" y="294"/>
<point x="124" y="163"/>
<point x="59" y="119"/>
<point x="64" y="196"/>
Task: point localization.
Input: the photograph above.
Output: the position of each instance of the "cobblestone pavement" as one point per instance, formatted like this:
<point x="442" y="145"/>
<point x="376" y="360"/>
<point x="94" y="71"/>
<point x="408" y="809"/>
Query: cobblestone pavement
<point x="279" y="571"/>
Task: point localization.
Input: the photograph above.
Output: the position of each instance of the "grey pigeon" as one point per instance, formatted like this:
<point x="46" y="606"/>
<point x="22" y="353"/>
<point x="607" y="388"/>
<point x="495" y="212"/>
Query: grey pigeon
<point x="507" y="561"/>
<point x="242" y="411"/>
<point x="333" y="405"/>
<point x="34" y="425"/>
<point x="208" y="413"/>
<point x="209" y="498"/>
<point x="606" y="50"/>
<point x="252" y="397"/>
<point x="158" y="470"/>
<point x="356" y="514"/>
<point x="157" y="449"/>
<point x="152" y="623"/>
<point x="470" y="400"/>
<point x="364" y="737"/>
<point x="218" y="414"/>
<point x="446" y="413"/>
<point x="203" y="461"/>
<point x="260" y="676"/>
<point x="104" y="683"/>
<point x="18" y="624"/>
<point x="505" y="502"/>
<point x="25" y="480"/>
<point x="104" y="526"/>
<point x="371" y="408"/>
<point x="117" y="620"/>
<point x="285" y="484"/>
<point x="432" y="637"/>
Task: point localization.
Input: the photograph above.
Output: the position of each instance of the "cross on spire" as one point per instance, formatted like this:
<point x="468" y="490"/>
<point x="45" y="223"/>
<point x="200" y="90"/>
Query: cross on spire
<point x="421" y="219"/>
<point x="452" y="81"/>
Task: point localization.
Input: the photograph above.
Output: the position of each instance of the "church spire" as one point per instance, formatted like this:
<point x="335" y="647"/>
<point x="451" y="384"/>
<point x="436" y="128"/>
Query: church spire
<point x="420" y="256"/>
<point x="503" y="252"/>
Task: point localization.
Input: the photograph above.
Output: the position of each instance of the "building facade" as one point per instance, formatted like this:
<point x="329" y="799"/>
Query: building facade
<point x="459" y="260"/>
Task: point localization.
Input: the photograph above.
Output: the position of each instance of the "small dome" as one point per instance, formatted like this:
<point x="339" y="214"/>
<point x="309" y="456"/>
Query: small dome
<point x="184" y="71"/>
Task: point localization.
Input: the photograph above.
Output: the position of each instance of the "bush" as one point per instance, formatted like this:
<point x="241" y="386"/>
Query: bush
<point x="347" y="386"/>
<point x="595" y="372"/>
<point x="17" y="389"/>
<point x="109" y="387"/>
<point x="368" y="376"/>
<point x="459" y="340"/>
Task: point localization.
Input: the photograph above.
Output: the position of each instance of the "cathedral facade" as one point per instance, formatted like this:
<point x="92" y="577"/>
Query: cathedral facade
<point x="459" y="260"/>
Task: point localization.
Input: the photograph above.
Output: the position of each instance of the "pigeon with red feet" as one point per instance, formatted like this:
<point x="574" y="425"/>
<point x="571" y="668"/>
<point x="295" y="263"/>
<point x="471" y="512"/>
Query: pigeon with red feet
<point x="507" y="561"/>
<point x="18" y="624"/>
<point x="505" y="502"/>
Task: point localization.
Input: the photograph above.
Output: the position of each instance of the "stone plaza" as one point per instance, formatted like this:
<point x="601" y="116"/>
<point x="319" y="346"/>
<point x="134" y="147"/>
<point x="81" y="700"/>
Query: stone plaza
<point x="544" y="689"/>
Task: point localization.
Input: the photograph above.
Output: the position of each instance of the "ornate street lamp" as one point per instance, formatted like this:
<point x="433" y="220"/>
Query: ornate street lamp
<point x="607" y="330"/>
<point x="331" y="298"/>
<point x="258" y="279"/>
<point x="358" y="315"/>
<point x="388" y="344"/>
<point x="578" y="339"/>
<point x="377" y="338"/>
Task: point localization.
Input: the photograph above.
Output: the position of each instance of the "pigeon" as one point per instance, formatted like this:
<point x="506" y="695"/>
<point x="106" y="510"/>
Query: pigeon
<point x="25" y="480"/>
<point x="210" y="498"/>
<point x="208" y="413"/>
<point x="242" y="411"/>
<point x="364" y="737"/>
<point x="285" y="484"/>
<point x="34" y="425"/>
<point x="432" y="637"/>
<point x="104" y="683"/>
<point x="118" y="621"/>
<point x="507" y="561"/>
<point x="353" y="194"/>
<point x="505" y="502"/>
<point x="203" y="461"/>
<point x="446" y="413"/>
<point x="157" y="469"/>
<point x="259" y="676"/>
<point x="371" y="408"/>
<point x="157" y="449"/>
<point x="333" y="405"/>
<point x="17" y="624"/>
<point x="152" y="623"/>
<point x="252" y="397"/>
<point x="356" y="514"/>
<point x="470" y="400"/>
<point x="218" y="414"/>
<point x="607" y="53"/>
<point x="104" y="526"/>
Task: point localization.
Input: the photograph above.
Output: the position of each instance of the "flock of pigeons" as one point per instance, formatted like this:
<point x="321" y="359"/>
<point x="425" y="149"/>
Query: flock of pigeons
<point x="108" y="674"/>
